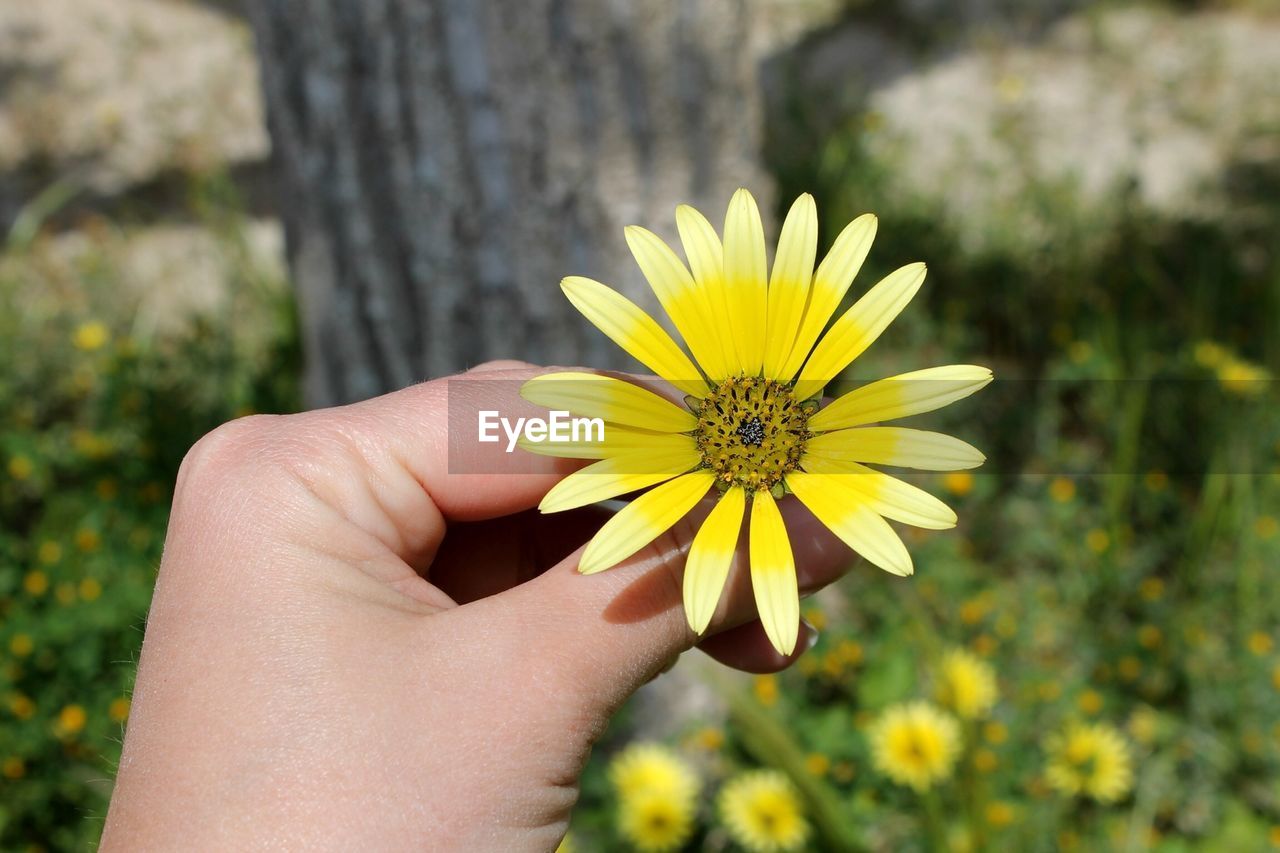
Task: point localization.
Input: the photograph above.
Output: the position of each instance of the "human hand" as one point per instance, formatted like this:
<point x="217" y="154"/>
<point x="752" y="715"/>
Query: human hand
<point x="324" y="666"/>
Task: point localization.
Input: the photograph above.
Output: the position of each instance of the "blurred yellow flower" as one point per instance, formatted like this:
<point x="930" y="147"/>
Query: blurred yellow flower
<point x="1210" y="354"/>
<point x="958" y="483"/>
<point x="21" y="645"/>
<point x="49" y="552"/>
<point x="107" y="489"/>
<point x="973" y="610"/>
<point x="766" y="689"/>
<point x="995" y="732"/>
<point x="118" y="710"/>
<point x="985" y="645"/>
<point x="1265" y="527"/>
<point x="762" y="812"/>
<point x="999" y="813"/>
<point x="709" y="738"/>
<point x="656" y="820"/>
<point x="87" y="540"/>
<point x="1274" y="836"/>
<point x="22" y="707"/>
<point x="71" y="719"/>
<point x="966" y="685"/>
<point x="915" y="744"/>
<point x="1010" y="88"/>
<point x="817" y="764"/>
<point x="1049" y="691"/>
<point x="20" y="467"/>
<point x="1090" y="760"/>
<point x="1006" y="625"/>
<point x="815" y="617"/>
<point x="1090" y="702"/>
<point x="90" y="336"/>
<point x="985" y="761"/>
<point x="1259" y="643"/>
<point x="14" y="767"/>
<point x="36" y="583"/>
<point x="1129" y="667"/>
<point x="1062" y="489"/>
<point x="1150" y="637"/>
<point x="90" y="589"/>
<point x="1080" y="351"/>
<point x="65" y="593"/>
<point x="652" y="767"/>
<point x="1152" y="589"/>
<point x="1243" y="379"/>
<point x="1097" y="540"/>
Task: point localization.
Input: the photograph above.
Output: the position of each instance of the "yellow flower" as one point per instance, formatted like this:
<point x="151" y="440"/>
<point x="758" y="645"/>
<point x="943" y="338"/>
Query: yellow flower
<point x="985" y="761"/>
<point x="999" y="813"/>
<point x="915" y="744"/>
<point x="656" y="820"/>
<point x="652" y="767"/>
<point x="36" y="583"/>
<point x="966" y="685"/>
<point x="958" y="483"/>
<point x="21" y="645"/>
<point x="762" y="812"/>
<point x="1090" y="760"/>
<point x="65" y="593"/>
<point x="90" y="589"/>
<point x="90" y="336"/>
<point x="1210" y="354"/>
<point x="709" y="738"/>
<point x="995" y="732"/>
<point x="20" y="467"/>
<point x="984" y="644"/>
<point x="1260" y="643"/>
<point x="753" y="429"/>
<point x="1243" y="379"/>
<point x="87" y="540"/>
<point x="1152" y="589"/>
<point x="1062" y="489"/>
<point x="766" y="689"/>
<point x="107" y="489"/>
<point x="118" y="710"/>
<point x="973" y="610"/>
<point x="1129" y="667"/>
<point x="22" y="707"/>
<point x="49" y="552"/>
<point x="1097" y="540"/>
<point x="817" y="764"/>
<point x="1150" y="637"/>
<point x="71" y="719"/>
<point x="816" y="618"/>
<point x="1090" y="701"/>
<point x="14" y="767"/>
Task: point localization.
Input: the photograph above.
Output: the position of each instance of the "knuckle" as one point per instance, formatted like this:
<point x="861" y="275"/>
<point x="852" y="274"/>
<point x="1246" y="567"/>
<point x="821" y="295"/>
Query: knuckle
<point x="227" y="448"/>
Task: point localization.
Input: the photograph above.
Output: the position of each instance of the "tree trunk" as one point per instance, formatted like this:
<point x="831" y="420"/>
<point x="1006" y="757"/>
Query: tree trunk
<point x="444" y="163"/>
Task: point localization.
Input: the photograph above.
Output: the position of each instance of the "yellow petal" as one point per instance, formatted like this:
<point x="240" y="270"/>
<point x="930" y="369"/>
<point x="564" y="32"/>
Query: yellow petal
<point x="643" y="520"/>
<point x="685" y="303"/>
<point x="617" y="402"/>
<point x="830" y="283"/>
<point x="858" y="328"/>
<point x="617" y="440"/>
<point x="899" y="446"/>
<point x="887" y="495"/>
<point x="773" y="574"/>
<point x="706" y="259"/>
<point x="746" y="279"/>
<point x="618" y="475"/>
<point x="901" y="396"/>
<point x="628" y="326"/>
<point x="789" y="283"/>
<point x="849" y="517"/>
<point x="710" y="557"/>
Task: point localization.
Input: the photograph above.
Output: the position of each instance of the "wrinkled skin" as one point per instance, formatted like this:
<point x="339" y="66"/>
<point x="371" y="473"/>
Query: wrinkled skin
<point x="351" y="647"/>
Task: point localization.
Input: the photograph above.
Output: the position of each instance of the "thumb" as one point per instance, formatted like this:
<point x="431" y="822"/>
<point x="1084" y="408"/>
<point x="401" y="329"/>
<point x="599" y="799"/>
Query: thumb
<point x="602" y="636"/>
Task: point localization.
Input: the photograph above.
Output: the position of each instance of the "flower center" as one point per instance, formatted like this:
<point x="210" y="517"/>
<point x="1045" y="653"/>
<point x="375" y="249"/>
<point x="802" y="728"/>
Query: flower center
<point x="751" y="432"/>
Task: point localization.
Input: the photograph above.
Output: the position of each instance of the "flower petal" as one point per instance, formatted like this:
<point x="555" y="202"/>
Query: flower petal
<point x="849" y="517"/>
<point x="710" y="557"/>
<point x="683" y="300"/>
<point x="643" y="520"/>
<point x="706" y="259"/>
<point x="746" y="279"/>
<point x="618" y="475"/>
<point x="858" y="328"/>
<point x="901" y="396"/>
<point x="628" y="326"/>
<point x="595" y="396"/>
<point x="899" y="446"/>
<point x="789" y="283"/>
<point x="887" y="495"/>
<point x="773" y="574"/>
<point x="830" y="283"/>
<point x="617" y="441"/>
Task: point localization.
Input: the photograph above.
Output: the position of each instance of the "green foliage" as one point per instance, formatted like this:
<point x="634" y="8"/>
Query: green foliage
<point x="95" y="416"/>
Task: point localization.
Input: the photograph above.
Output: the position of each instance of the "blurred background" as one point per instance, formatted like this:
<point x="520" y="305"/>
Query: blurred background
<point x="208" y="211"/>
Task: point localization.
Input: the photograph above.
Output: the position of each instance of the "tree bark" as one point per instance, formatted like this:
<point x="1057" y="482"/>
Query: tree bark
<point x="444" y="163"/>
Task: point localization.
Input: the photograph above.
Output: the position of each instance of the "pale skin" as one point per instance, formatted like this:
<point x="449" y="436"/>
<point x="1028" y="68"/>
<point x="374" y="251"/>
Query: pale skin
<point x="323" y="668"/>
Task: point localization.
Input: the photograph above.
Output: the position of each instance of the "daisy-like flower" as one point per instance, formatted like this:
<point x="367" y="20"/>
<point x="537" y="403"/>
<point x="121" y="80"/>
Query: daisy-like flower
<point x="655" y="820"/>
<point x="966" y="684"/>
<point x="752" y="426"/>
<point x="762" y="812"/>
<point x="915" y="744"/>
<point x="652" y="767"/>
<point x="1090" y="760"/>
